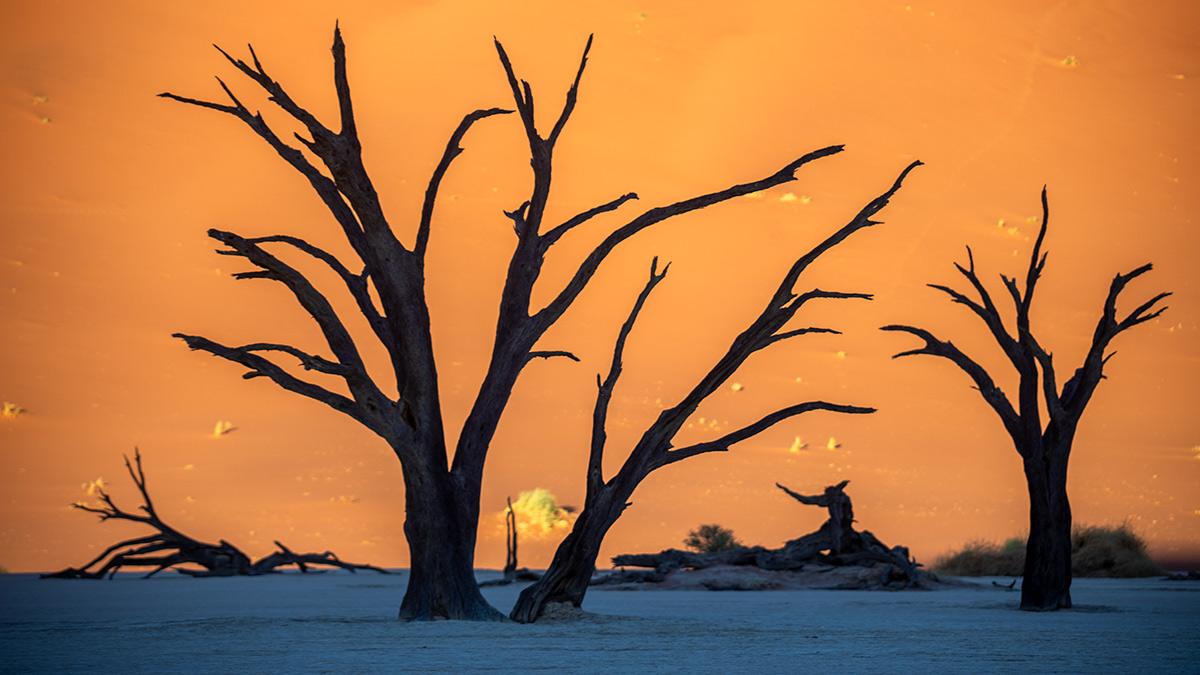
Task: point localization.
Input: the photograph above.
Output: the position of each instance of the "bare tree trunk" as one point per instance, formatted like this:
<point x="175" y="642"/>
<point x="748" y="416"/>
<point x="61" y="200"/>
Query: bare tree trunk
<point x="1047" y="581"/>
<point x="441" y="527"/>
<point x="566" y="579"/>
<point x="510" y="539"/>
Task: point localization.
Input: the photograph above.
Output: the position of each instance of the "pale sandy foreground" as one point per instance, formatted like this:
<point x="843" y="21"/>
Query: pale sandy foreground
<point x="342" y="623"/>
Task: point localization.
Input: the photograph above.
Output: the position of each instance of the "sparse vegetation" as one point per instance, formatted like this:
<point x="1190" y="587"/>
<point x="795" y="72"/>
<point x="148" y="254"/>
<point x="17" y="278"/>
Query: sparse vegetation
<point x="711" y="538"/>
<point x="3" y="569"/>
<point x="1096" y="551"/>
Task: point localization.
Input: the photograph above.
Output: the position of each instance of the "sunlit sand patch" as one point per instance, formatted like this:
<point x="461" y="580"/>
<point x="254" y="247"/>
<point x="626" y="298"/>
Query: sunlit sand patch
<point x="94" y="488"/>
<point x="222" y="428"/>
<point x="797" y="446"/>
<point x="12" y="411"/>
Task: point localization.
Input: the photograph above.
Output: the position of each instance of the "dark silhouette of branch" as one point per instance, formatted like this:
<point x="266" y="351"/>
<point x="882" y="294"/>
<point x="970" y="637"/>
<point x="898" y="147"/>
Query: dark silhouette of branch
<point x="453" y="150"/>
<point x="595" y="472"/>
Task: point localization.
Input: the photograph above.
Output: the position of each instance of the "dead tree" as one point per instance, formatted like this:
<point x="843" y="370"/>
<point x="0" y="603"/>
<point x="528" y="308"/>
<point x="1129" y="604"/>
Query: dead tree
<point x="510" y="531"/>
<point x="841" y="511"/>
<point x="170" y="547"/>
<point x="574" y="562"/>
<point x="836" y="543"/>
<point x="1044" y="450"/>
<point x="511" y="571"/>
<point x="387" y="283"/>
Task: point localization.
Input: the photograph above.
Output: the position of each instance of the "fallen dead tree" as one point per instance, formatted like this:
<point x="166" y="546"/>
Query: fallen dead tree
<point x="170" y="547"/>
<point x="835" y="544"/>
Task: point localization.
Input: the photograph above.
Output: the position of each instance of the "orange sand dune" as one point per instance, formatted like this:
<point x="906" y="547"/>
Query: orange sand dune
<point x="107" y="192"/>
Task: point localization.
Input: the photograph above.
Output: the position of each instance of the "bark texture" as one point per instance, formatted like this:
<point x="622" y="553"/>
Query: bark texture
<point x="566" y="580"/>
<point x="1044" y="447"/>
<point x="386" y="282"/>
<point x="169" y="547"/>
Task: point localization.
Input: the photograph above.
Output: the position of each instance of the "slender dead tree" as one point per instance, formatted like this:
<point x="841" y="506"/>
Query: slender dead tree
<point x="510" y="538"/>
<point x="1044" y="449"/>
<point x="574" y="562"/>
<point x="387" y="283"/>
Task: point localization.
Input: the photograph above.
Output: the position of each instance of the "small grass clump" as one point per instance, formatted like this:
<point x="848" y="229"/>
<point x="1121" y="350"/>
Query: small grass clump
<point x="1096" y="551"/>
<point x="980" y="558"/>
<point x="1110" y="552"/>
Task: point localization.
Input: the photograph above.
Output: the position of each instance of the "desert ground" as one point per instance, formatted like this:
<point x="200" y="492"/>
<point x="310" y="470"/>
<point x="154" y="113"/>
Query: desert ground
<point x="337" y="622"/>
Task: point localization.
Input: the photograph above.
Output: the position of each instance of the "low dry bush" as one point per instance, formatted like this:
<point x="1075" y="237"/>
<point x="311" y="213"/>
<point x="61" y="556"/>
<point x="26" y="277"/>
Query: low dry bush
<point x="1096" y="551"/>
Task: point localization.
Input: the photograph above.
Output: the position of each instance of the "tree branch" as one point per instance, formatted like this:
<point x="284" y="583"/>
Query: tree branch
<point x="1037" y="262"/>
<point x="453" y="150"/>
<point x="588" y="267"/>
<point x="355" y="283"/>
<point x="547" y="240"/>
<point x="801" y="331"/>
<point x="313" y="302"/>
<point x="552" y="354"/>
<point x="572" y="95"/>
<point x="749" y="431"/>
<point x="983" y="382"/>
<point x="325" y="187"/>
<point x="309" y="361"/>
<point x="260" y="366"/>
<point x="595" y="474"/>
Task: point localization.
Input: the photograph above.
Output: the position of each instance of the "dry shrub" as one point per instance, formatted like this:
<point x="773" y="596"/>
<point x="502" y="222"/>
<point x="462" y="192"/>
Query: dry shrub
<point x="1096" y="551"/>
<point x="1110" y="552"/>
<point x="981" y="558"/>
<point x="711" y="538"/>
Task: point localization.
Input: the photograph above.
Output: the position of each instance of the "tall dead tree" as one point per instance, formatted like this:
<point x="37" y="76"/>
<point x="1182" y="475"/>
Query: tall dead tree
<point x="1044" y="449"/>
<point x="574" y="562"/>
<point x="387" y="283"/>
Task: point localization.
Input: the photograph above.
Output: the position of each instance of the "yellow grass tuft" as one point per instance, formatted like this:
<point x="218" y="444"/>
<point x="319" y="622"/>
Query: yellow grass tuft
<point x="1096" y="551"/>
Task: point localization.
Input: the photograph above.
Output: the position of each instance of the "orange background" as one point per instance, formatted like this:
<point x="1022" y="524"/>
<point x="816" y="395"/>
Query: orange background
<point x="106" y="193"/>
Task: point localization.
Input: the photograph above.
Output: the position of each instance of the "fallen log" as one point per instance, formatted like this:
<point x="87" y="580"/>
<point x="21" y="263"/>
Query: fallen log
<point x="169" y="547"/>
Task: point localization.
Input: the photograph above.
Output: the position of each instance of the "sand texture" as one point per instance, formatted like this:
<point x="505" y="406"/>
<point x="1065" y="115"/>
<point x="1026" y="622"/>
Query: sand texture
<point x="343" y="623"/>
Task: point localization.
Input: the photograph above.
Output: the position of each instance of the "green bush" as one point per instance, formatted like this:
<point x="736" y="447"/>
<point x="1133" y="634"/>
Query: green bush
<point x="3" y="569"/>
<point x="1096" y="551"/>
<point x="711" y="538"/>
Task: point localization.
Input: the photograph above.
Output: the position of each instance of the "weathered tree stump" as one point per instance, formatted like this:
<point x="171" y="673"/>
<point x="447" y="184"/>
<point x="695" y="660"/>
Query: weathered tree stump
<point x="836" y="543"/>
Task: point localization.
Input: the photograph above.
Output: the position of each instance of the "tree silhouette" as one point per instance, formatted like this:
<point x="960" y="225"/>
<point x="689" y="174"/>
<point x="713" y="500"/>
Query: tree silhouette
<point x="169" y="547"/>
<point x="387" y="284"/>
<point x="574" y="561"/>
<point x="1044" y="449"/>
